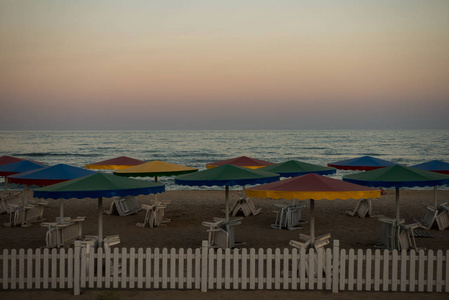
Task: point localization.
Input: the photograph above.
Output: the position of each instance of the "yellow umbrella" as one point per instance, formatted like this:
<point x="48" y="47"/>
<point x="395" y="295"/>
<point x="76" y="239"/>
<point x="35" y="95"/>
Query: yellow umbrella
<point x="154" y="169"/>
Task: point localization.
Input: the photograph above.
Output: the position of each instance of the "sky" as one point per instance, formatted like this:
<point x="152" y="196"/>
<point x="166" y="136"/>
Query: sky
<point x="234" y="64"/>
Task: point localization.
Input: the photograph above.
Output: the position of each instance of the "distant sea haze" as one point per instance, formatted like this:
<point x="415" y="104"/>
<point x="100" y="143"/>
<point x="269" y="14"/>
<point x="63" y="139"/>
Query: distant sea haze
<point x="196" y="148"/>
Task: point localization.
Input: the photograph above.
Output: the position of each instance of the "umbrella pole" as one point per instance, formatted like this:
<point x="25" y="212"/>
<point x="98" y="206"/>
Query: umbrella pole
<point x="312" y="222"/>
<point x="397" y="219"/>
<point x="435" y="197"/>
<point x="155" y="195"/>
<point x="227" y="203"/>
<point x="100" y="222"/>
<point x="25" y="195"/>
<point x="6" y="184"/>
<point x="61" y="210"/>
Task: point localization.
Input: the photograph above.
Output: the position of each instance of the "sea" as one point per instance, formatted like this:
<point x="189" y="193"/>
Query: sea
<point x="196" y="148"/>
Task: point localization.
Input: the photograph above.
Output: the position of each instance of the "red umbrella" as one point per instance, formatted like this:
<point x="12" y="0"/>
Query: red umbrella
<point x="5" y="159"/>
<point x="117" y="163"/>
<point x="312" y="187"/>
<point x="241" y="161"/>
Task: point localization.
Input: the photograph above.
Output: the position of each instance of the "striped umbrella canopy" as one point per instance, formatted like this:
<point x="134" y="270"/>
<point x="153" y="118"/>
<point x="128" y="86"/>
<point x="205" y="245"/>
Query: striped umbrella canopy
<point x="241" y="161"/>
<point x="226" y="175"/>
<point x="117" y="163"/>
<point x="294" y="168"/>
<point x="312" y="187"/>
<point x="98" y="185"/>
<point x="363" y="163"/>
<point x="18" y="167"/>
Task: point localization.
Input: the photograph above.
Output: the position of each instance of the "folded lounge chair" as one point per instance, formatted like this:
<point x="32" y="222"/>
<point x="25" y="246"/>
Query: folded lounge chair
<point x="123" y="206"/>
<point x="154" y="214"/>
<point x="288" y="216"/>
<point x="442" y="217"/>
<point x="361" y="210"/>
<point x="244" y="205"/>
<point x="428" y="218"/>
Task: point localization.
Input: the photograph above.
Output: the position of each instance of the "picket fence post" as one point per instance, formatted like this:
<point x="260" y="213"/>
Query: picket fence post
<point x="336" y="266"/>
<point x="76" y="269"/>
<point x="204" y="265"/>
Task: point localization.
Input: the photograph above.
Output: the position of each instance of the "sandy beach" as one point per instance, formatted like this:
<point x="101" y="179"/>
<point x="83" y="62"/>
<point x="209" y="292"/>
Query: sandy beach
<point x="187" y="211"/>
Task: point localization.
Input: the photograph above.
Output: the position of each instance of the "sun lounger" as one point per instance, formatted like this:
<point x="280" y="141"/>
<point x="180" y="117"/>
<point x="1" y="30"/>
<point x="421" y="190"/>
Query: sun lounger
<point x="245" y="206"/>
<point x="442" y="217"/>
<point x="221" y="234"/>
<point x="123" y="206"/>
<point x="288" y="216"/>
<point x="304" y="241"/>
<point x="20" y="215"/>
<point x="60" y="234"/>
<point x="407" y="238"/>
<point x="10" y="201"/>
<point x="428" y="218"/>
<point x="154" y="214"/>
<point x="361" y="210"/>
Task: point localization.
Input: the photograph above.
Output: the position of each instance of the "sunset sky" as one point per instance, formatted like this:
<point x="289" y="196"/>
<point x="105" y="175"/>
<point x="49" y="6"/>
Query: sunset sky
<point x="262" y="64"/>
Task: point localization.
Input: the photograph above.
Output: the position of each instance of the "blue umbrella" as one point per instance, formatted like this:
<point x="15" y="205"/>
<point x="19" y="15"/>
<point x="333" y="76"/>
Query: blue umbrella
<point x="364" y="163"/>
<point x="50" y="175"/>
<point x="18" y="167"/>
<point x="434" y="166"/>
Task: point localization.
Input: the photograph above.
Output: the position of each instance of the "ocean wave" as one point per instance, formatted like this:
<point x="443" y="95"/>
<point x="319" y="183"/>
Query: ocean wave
<point x="42" y="154"/>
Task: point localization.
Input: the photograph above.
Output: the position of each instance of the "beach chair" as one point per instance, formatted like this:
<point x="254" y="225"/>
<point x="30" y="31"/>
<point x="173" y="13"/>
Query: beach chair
<point x="361" y="210"/>
<point x="154" y="214"/>
<point x="407" y="239"/>
<point x="221" y="234"/>
<point x="61" y="234"/>
<point x="123" y="206"/>
<point x="10" y="201"/>
<point x="245" y="206"/>
<point x="442" y="217"/>
<point x="288" y="216"/>
<point x="304" y="241"/>
<point x="428" y="218"/>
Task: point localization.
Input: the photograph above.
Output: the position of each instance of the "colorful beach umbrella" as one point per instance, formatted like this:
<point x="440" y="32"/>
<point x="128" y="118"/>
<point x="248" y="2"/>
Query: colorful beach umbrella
<point x="6" y="159"/>
<point x="434" y="166"/>
<point x="398" y="177"/>
<point x="241" y="161"/>
<point x="363" y="163"/>
<point x="98" y="185"/>
<point x="226" y="175"/>
<point x="154" y="169"/>
<point x="312" y="187"/>
<point x="118" y="163"/>
<point x="49" y="175"/>
<point x="18" y="167"/>
<point x="294" y="168"/>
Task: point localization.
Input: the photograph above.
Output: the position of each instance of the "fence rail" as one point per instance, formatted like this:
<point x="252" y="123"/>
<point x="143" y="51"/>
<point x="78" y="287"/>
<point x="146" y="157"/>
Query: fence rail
<point x="205" y="268"/>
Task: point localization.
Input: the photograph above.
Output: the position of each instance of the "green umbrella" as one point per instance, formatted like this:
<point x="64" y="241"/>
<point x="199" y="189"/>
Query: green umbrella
<point x="226" y="175"/>
<point x="397" y="177"/>
<point x="98" y="185"/>
<point x="294" y="168"/>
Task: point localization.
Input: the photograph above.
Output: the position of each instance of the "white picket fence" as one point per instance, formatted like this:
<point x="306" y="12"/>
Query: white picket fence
<point x="205" y="268"/>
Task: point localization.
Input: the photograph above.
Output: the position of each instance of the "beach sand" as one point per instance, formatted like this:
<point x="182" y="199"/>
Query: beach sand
<point x="187" y="211"/>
